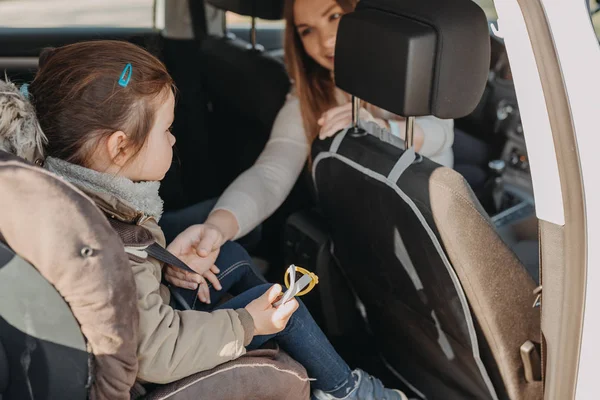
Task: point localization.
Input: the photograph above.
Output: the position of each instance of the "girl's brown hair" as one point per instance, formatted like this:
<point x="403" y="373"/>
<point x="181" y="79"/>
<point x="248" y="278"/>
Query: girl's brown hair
<point x="314" y="84"/>
<point x="79" y="101"/>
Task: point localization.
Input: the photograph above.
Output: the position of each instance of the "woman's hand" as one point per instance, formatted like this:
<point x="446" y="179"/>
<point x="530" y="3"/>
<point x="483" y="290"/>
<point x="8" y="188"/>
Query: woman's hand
<point x="340" y="117"/>
<point x="198" y="246"/>
<point x="268" y="319"/>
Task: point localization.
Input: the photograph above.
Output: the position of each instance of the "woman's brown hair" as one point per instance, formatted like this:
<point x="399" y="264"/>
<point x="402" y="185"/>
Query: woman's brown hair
<point x="79" y="101"/>
<point x="314" y="84"/>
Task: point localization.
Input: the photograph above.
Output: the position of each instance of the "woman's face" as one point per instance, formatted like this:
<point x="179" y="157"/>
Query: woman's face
<point x="316" y="22"/>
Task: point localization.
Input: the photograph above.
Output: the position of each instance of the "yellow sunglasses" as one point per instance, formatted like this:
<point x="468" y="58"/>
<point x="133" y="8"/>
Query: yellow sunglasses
<point x="299" y="287"/>
<point x="314" y="279"/>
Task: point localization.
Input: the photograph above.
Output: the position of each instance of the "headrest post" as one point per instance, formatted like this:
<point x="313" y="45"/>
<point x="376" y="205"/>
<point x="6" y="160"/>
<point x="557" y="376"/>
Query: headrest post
<point x="410" y="128"/>
<point x="355" y="111"/>
<point x="253" y="33"/>
<point x="356" y="130"/>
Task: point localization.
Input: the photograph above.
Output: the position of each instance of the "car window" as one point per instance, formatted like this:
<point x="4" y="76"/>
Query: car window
<point x="594" y="6"/>
<point x="595" y="10"/>
<point x="488" y="8"/>
<point x="236" y="21"/>
<point x="76" y="13"/>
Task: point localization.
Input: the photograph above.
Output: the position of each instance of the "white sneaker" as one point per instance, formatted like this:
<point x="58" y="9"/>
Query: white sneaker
<point x="367" y="388"/>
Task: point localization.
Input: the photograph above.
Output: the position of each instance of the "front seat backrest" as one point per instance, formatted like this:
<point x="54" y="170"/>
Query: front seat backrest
<point x="71" y="253"/>
<point x="449" y="304"/>
<point x="246" y="87"/>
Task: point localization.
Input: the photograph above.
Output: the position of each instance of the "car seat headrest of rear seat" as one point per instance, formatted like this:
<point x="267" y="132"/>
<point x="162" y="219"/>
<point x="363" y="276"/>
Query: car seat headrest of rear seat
<point x="415" y="57"/>
<point x="265" y="9"/>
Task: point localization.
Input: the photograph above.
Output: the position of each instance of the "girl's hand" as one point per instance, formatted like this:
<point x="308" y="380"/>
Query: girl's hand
<point x="268" y="319"/>
<point x="190" y="280"/>
<point x="339" y="118"/>
<point x="198" y="246"/>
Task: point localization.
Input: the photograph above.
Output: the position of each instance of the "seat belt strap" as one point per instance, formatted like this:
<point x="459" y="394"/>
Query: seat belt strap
<point x="155" y="250"/>
<point x="185" y="297"/>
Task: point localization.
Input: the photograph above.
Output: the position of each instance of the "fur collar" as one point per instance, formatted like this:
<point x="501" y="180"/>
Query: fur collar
<point x="20" y="132"/>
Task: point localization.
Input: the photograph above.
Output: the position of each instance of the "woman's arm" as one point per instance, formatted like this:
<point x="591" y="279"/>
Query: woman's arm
<point x="225" y="221"/>
<point x="433" y="137"/>
<point x="438" y="135"/>
<point x="260" y="190"/>
<point x="384" y="125"/>
<point x="397" y="128"/>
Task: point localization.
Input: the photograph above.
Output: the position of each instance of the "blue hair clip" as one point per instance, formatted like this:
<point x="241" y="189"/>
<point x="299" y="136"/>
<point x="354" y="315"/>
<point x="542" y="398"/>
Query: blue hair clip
<point x="126" y="75"/>
<point x="24" y="89"/>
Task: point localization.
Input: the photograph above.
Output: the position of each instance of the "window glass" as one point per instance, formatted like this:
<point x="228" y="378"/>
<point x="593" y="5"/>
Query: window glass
<point x="488" y="8"/>
<point x="69" y="13"/>
<point x="236" y="21"/>
<point x="595" y="15"/>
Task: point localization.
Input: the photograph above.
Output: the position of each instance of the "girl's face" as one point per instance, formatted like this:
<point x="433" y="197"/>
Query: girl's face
<point x="316" y="22"/>
<point x="154" y="159"/>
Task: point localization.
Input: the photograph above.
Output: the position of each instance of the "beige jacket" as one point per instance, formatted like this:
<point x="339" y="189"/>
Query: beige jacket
<point x="172" y="344"/>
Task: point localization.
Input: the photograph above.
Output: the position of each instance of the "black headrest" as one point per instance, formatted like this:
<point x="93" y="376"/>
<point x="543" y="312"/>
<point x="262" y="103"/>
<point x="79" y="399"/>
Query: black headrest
<point x="415" y="57"/>
<point x="265" y="9"/>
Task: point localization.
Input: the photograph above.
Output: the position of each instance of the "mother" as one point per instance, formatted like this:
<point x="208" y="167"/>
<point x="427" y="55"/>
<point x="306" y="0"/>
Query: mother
<point x="314" y="108"/>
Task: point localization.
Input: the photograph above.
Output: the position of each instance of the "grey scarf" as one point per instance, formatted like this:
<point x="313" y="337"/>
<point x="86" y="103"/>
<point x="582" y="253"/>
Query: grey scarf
<point x="142" y="196"/>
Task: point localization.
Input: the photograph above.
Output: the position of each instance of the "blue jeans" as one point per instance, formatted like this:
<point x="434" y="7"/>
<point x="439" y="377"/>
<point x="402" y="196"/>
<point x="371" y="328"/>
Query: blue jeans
<point x="302" y="338"/>
<point x="173" y="223"/>
<point x="237" y="274"/>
